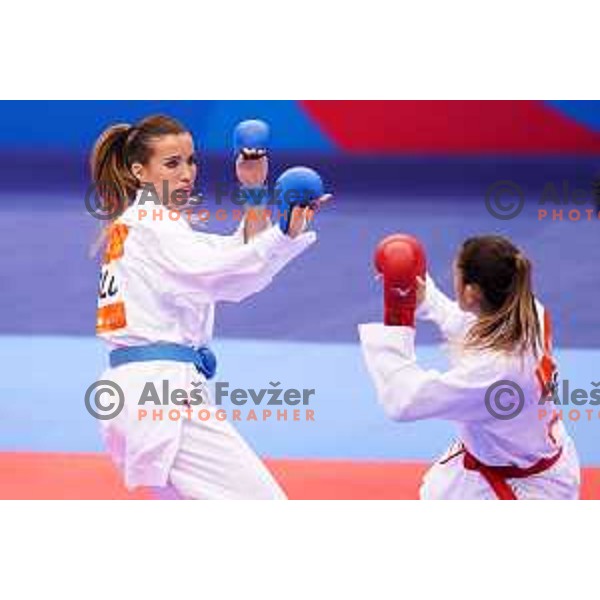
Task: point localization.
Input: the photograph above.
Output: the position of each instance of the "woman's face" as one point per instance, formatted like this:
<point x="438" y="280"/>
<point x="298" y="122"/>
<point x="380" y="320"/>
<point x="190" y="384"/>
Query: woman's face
<point x="171" y="169"/>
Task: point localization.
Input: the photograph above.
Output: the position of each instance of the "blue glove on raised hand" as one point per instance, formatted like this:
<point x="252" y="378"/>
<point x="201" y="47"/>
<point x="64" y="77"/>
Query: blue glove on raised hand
<point x="250" y="147"/>
<point x="251" y="139"/>
<point x="297" y="187"/>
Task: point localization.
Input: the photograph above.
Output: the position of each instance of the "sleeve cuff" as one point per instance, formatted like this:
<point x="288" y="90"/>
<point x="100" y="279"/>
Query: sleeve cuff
<point x="425" y="310"/>
<point x="270" y="242"/>
<point x="398" y="338"/>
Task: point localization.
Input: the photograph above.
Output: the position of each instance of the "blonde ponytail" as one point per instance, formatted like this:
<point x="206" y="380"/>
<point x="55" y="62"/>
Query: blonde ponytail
<point x="508" y="320"/>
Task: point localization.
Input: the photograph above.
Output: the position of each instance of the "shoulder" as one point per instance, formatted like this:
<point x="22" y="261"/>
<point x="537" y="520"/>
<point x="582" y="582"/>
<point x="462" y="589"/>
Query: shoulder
<point x="495" y="366"/>
<point x="157" y="219"/>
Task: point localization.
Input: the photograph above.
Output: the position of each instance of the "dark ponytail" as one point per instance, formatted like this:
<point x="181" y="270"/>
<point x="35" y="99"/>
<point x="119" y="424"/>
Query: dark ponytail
<point x="115" y="184"/>
<point x="115" y="151"/>
<point x="508" y="320"/>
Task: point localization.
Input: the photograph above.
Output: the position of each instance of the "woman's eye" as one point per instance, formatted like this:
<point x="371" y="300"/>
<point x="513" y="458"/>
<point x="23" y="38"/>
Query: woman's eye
<point x="172" y="164"/>
<point x="193" y="160"/>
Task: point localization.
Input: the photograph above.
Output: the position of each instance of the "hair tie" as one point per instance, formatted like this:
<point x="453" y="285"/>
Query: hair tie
<point x="130" y="133"/>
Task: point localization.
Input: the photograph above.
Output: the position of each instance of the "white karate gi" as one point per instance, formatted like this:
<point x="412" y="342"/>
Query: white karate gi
<point x="165" y="283"/>
<point x="409" y="393"/>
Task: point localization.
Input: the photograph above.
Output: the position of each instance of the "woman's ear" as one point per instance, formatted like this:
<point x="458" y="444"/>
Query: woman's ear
<point x="472" y="297"/>
<point x="137" y="170"/>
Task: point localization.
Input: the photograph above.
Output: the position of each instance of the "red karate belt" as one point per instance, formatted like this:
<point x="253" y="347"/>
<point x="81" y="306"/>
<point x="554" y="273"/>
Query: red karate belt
<point x="496" y="476"/>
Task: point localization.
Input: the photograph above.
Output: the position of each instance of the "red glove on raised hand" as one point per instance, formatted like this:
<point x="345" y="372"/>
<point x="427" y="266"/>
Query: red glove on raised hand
<point x="400" y="259"/>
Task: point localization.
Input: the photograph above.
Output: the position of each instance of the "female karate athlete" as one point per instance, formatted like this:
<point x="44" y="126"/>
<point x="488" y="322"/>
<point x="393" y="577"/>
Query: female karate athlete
<point x="160" y="282"/>
<point x="500" y="336"/>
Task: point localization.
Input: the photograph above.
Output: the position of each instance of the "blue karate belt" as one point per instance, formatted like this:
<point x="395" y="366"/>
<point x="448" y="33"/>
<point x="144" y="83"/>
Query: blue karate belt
<point x="202" y="358"/>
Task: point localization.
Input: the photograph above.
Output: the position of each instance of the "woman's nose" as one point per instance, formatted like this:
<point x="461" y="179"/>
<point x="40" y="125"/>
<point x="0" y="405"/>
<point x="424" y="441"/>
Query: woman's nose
<point x="188" y="173"/>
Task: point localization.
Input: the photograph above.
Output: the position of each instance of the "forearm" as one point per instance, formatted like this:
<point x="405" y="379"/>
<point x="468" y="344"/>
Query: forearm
<point x="441" y="310"/>
<point x="256" y="220"/>
<point x="236" y="289"/>
<point x="408" y="392"/>
<point x="390" y="358"/>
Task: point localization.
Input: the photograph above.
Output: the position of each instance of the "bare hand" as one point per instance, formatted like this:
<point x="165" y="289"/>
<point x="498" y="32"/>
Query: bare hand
<point x="302" y="216"/>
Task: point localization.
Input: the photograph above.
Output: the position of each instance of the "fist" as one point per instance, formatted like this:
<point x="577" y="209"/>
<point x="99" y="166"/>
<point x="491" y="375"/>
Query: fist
<point x="251" y="139"/>
<point x="300" y="192"/>
<point x="400" y="259"/>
